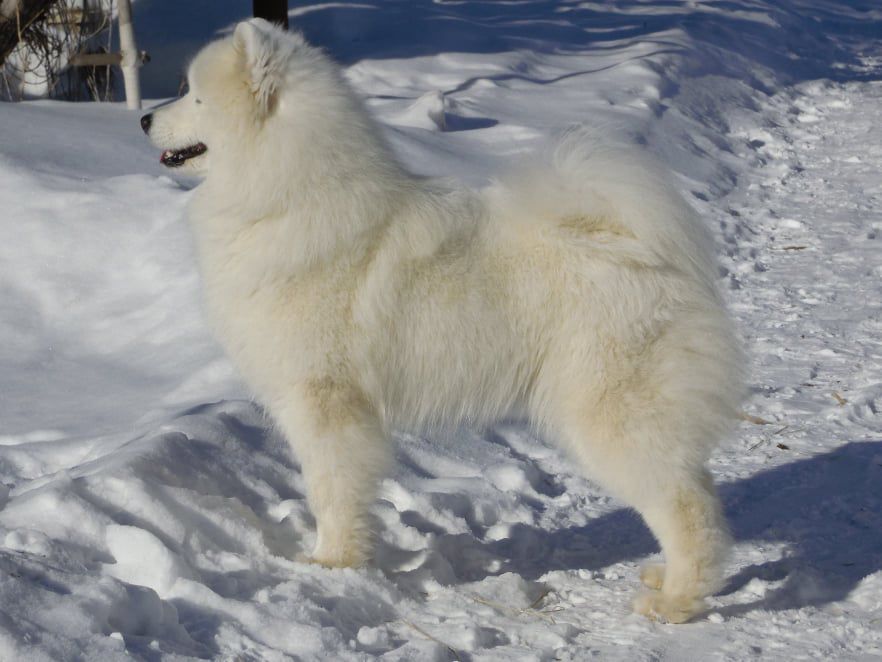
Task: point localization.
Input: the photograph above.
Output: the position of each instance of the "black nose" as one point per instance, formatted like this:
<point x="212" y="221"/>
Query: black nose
<point x="146" y="121"/>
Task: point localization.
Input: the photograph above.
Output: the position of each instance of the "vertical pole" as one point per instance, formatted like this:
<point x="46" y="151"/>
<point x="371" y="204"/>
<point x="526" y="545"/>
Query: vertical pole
<point x="275" y="11"/>
<point x="130" y="58"/>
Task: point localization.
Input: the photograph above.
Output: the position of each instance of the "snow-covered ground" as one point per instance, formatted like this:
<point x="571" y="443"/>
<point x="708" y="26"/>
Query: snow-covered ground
<point x="149" y="511"/>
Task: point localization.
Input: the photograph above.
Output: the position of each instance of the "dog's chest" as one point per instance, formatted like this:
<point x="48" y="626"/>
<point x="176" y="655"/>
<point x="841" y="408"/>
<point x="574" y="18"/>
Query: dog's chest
<point x="277" y="327"/>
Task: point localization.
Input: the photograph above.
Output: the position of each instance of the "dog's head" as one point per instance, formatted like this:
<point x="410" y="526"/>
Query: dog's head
<point x="235" y="86"/>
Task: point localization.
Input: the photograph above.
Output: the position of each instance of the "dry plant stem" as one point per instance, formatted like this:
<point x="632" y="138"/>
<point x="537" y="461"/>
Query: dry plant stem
<point x="450" y="649"/>
<point x="40" y="57"/>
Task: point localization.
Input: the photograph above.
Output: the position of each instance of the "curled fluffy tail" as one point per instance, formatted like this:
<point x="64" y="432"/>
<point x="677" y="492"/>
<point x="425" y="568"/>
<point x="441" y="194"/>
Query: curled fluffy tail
<point x="622" y="189"/>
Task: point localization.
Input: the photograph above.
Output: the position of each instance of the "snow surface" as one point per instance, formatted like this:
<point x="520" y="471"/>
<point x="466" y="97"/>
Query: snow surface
<point x="149" y="511"/>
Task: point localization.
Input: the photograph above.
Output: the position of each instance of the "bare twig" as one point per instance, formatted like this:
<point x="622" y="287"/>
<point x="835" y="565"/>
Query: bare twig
<point x="530" y="611"/>
<point x="757" y="444"/>
<point x="539" y="599"/>
<point x="12" y="31"/>
<point x="44" y="48"/>
<point x="756" y="420"/>
<point x="449" y="648"/>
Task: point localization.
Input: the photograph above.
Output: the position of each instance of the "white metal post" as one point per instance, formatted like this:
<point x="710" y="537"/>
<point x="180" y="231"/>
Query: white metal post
<point x="131" y="59"/>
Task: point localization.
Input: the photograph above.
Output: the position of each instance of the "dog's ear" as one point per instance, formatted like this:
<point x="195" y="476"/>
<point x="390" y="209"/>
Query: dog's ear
<point x="256" y="41"/>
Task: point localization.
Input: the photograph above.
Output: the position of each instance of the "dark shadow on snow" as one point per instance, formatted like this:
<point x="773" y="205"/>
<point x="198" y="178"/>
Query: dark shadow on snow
<point x="792" y="41"/>
<point x="827" y="509"/>
<point x="795" y="41"/>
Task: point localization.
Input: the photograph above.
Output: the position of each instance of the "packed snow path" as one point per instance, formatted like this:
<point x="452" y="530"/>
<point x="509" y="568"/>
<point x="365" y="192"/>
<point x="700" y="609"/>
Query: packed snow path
<point x="150" y="512"/>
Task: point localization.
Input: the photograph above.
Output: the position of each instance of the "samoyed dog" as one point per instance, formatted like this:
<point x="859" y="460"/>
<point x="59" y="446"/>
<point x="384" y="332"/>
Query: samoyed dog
<point x="357" y="298"/>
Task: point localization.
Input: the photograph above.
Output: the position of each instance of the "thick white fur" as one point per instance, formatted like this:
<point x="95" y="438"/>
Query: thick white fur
<point x="356" y="298"/>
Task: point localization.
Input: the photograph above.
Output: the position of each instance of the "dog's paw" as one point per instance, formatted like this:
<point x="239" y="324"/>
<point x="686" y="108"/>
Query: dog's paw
<point x="331" y="561"/>
<point x="337" y="556"/>
<point x="668" y="608"/>
<point x="653" y="575"/>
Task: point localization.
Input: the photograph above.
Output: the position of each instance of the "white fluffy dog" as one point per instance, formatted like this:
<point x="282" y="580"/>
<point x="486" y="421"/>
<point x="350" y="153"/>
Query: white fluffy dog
<point x="356" y="298"/>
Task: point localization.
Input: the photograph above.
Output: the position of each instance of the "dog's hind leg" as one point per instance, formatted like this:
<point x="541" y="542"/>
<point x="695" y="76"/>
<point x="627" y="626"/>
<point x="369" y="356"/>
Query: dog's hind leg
<point x="343" y="452"/>
<point x="675" y="495"/>
<point x="687" y="520"/>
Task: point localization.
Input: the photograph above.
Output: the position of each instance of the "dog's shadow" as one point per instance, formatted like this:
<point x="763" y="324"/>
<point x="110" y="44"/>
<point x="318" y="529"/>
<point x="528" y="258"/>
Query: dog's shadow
<point x="816" y="520"/>
<point x="821" y="516"/>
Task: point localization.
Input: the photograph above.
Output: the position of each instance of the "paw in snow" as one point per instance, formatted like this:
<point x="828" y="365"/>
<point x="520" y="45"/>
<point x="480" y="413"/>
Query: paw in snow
<point x="668" y="608"/>
<point x="346" y="554"/>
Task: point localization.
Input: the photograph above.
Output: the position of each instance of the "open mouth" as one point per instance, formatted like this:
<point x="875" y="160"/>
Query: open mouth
<point x="174" y="158"/>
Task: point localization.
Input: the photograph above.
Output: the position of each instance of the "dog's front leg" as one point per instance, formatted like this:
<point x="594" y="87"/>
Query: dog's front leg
<point x="344" y="452"/>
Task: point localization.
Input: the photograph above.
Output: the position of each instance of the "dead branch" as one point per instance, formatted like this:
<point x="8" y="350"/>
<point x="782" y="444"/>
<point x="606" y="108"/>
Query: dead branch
<point x="21" y="15"/>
